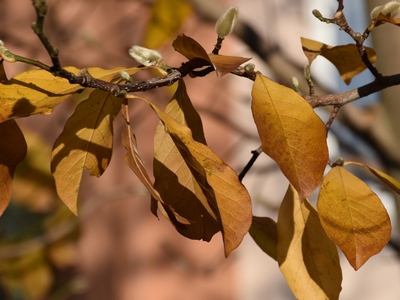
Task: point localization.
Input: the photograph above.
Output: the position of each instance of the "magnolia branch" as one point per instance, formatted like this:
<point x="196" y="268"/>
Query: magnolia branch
<point x="85" y="79"/>
<point x="355" y="94"/>
<point x="41" y="10"/>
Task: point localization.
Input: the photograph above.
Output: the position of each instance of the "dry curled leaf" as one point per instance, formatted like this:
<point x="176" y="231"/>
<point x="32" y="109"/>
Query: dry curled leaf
<point x="217" y="180"/>
<point x="391" y="182"/>
<point x="173" y="178"/>
<point x="345" y="58"/>
<point x="189" y="48"/>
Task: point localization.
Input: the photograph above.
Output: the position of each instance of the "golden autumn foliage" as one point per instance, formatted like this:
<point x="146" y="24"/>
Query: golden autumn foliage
<point x="191" y="185"/>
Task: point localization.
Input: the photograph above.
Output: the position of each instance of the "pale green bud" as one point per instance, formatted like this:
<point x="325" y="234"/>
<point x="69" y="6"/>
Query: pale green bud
<point x="340" y="161"/>
<point x="5" y="54"/>
<point x="226" y="22"/>
<point x="296" y="84"/>
<point x="249" y="68"/>
<point x="392" y="7"/>
<point x="3" y="49"/>
<point x="145" y="56"/>
<point x="306" y="71"/>
<point x="125" y="76"/>
<point x="317" y="14"/>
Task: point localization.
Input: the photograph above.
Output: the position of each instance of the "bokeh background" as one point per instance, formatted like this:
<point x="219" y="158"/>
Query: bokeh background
<point x="116" y="249"/>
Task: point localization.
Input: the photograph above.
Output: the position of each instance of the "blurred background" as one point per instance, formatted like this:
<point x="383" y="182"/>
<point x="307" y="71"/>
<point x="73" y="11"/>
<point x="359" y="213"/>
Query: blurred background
<point x="116" y="249"/>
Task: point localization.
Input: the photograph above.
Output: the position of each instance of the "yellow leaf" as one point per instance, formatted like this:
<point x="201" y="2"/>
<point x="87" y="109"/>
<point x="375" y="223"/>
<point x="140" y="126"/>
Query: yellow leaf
<point x="86" y="142"/>
<point x="353" y="216"/>
<point x="386" y="179"/>
<point x="38" y="91"/>
<point x="291" y="134"/>
<point x="346" y="58"/>
<point x="226" y="64"/>
<point x="307" y="257"/>
<point x="33" y="92"/>
<point x="12" y="152"/>
<point x="264" y="232"/>
<point x="189" y="48"/>
<point x="173" y="177"/>
<point x="217" y="180"/>
<point x="167" y="17"/>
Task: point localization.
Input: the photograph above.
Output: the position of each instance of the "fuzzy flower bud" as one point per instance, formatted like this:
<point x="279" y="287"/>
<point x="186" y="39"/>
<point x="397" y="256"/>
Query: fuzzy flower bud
<point x="145" y="56"/>
<point x="226" y="22"/>
<point x="296" y="84"/>
<point x="125" y="76"/>
<point x="392" y="7"/>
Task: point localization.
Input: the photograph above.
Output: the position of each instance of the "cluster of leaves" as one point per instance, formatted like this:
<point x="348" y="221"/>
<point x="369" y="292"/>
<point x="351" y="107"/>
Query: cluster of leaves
<point x="193" y="187"/>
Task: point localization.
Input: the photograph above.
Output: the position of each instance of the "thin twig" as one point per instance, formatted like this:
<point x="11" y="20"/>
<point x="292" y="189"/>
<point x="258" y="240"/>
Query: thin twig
<point x="359" y="39"/>
<point x="340" y="5"/>
<point x="218" y="45"/>
<point x="256" y="153"/>
<point x="357" y="93"/>
<point x="41" y="10"/>
<point x="332" y="117"/>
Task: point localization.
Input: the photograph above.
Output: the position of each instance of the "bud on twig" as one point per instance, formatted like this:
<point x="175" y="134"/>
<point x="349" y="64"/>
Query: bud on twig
<point x="5" y="54"/>
<point x="296" y="84"/>
<point x="125" y="76"/>
<point x="392" y="7"/>
<point x="307" y="74"/>
<point x="226" y="22"/>
<point x="339" y="161"/>
<point x="146" y="57"/>
<point x="249" y="68"/>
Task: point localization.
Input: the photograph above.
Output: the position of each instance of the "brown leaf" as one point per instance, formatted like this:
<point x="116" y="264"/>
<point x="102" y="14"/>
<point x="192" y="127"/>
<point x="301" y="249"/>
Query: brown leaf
<point x="217" y="180"/>
<point x="386" y="179"/>
<point x="382" y="19"/>
<point x="346" y="58"/>
<point x="173" y="178"/>
<point x="132" y="157"/>
<point x="12" y="152"/>
<point x="225" y="64"/>
<point x="189" y="48"/>
<point x="353" y="216"/>
<point x="291" y="134"/>
<point x="86" y="142"/>
<point x="307" y="257"/>
<point x="3" y="75"/>
<point x="264" y="232"/>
